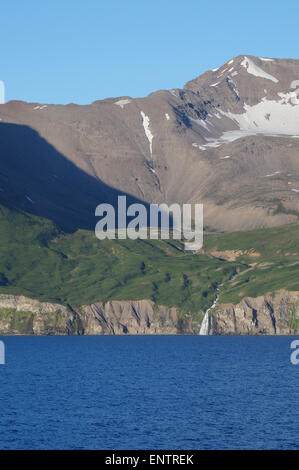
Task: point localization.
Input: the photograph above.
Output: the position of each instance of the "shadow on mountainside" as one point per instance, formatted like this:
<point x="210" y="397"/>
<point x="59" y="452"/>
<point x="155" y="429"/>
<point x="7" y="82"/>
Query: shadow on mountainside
<point x="36" y="178"/>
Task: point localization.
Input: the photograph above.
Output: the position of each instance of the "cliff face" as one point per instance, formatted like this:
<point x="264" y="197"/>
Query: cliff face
<point x="272" y="314"/>
<point x="140" y="317"/>
<point x="21" y="315"/>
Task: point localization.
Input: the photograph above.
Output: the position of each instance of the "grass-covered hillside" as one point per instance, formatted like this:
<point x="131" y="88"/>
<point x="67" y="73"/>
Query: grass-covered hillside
<point x="40" y="261"/>
<point x="270" y="257"/>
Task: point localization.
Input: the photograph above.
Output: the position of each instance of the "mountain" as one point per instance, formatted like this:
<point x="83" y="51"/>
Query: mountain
<point x="229" y="139"/>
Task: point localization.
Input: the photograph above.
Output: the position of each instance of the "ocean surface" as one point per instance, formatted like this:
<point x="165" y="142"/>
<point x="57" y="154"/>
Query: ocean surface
<point x="177" y="392"/>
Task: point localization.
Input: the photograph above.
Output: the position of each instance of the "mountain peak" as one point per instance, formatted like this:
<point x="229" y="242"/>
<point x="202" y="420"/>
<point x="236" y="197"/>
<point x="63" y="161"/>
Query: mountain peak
<point x="252" y="70"/>
<point x="222" y="140"/>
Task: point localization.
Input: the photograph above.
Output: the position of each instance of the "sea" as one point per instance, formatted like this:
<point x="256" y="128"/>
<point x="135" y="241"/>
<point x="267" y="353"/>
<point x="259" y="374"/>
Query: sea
<point x="149" y="392"/>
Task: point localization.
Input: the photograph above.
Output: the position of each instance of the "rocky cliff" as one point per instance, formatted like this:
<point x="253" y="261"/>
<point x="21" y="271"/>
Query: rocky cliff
<point x="275" y="313"/>
<point x="272" y="314"/>
<point x="21" y="315"/>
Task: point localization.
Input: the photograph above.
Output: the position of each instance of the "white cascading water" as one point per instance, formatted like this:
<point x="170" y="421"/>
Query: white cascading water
<point x="204" y="327"/>
<point x="205" y="324"/>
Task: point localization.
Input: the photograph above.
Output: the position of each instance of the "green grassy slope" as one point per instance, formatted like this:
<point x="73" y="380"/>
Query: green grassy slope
<point x="270" y="256"/>
<point x="39" y="261"/>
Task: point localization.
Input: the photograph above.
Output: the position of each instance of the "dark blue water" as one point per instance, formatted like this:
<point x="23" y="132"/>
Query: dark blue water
<point x="149" y="393"/>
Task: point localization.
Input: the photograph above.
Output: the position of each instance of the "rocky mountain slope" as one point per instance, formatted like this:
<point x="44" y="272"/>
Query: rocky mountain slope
<point x="228" y="139"/>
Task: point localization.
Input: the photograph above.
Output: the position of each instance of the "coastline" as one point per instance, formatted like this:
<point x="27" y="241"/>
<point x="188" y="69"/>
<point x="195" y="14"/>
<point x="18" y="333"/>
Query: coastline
<point x="274" y="313"/>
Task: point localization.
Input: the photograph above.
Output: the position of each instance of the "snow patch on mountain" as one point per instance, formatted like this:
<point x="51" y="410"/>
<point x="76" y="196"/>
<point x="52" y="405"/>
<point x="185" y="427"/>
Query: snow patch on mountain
<point x="271" y="174"/>
<point x="266" y="59"/>
<point x="122" y="103"/>
<point x="232" y="86"/>
<point x="200" y="122"/>
<point x="253" y="69"/>
<point x="269" y="116"/>
<point x="173" y="93"/>
<point x="227" y="137"/>
<point x="148" y="133"/>
<point x="221" y="73"/>
<point x="196" y="145"/>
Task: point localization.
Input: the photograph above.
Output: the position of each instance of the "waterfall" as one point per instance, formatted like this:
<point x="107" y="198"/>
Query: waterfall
<point x="204" y="327"/>
<point x="205" y="324"/>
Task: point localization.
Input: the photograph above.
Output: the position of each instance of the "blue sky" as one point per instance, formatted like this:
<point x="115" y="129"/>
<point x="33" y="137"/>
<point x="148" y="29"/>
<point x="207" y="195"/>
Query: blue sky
<point x="63" y="51"/>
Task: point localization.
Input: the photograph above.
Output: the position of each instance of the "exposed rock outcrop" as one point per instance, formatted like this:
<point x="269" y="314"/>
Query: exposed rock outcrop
<point x="271" y="314"/>
<point x="137" y="317"/>
<point x="275" y="313"/>
<point x="21" y="315"/>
